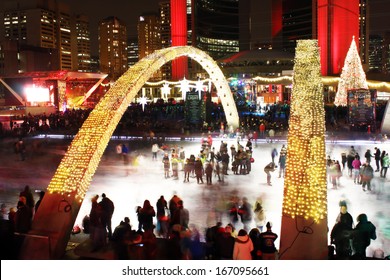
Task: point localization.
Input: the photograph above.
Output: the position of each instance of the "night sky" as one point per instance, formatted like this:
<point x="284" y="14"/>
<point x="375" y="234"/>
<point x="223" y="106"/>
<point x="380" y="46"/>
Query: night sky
<point x="130" y="10"/>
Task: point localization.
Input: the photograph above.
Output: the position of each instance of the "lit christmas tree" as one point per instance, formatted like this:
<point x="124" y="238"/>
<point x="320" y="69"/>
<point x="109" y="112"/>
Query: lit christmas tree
<point x="352" y="76"/>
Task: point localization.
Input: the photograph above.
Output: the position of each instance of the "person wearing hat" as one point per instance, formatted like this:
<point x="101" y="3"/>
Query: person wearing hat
<point x="267" y="243"/>
<point x="243" y="246"/>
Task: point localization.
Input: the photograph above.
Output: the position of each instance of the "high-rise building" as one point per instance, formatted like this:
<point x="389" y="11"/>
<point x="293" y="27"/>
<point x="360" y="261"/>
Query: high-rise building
<point x="132" y="51"/>
<point x="113" y="47"/>
<point x="386" y="51"/>
<point x="165" y="23"/>
<point x="63" y="38"/>
<point x="41" y="26"/>
<point x="165" y="33"/>
<point x="216" y="27"/>
<point x="364" y="33"/>
<point x="298" y="22"/>
<point x="149" y="37"/>
<point x="9" y="58"/>
<point x="256" y="23"/>
<point x="81" y="45"/>
<point x="376" y="54"/>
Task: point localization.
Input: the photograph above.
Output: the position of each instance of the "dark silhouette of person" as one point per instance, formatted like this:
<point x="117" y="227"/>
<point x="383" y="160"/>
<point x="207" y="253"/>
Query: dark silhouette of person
<point x="254" y="235"/>
<point x="30" y="202"/>
<point x="181" y="216"/>
<point x="267" y="243"/>
<point x="211" y="237"/>
<point x="224" y="243"/>
<point x="362" y="235"/>
<point x="41" y="195"/>
<point x="121" y="238"/>
<point x="341" y="235"/>
<point x="22" y="218"/>
<point x="108" y="210"/>
<point x="162" y="216"/>
<point x="146" y="214"/>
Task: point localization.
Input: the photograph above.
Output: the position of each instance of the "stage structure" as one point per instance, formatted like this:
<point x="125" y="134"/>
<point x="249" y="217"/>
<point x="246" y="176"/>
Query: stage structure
<point x="58" y="211"/>
<point x="304" y="213"/>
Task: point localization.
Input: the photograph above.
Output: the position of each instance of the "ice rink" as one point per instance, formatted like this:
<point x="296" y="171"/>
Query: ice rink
<point x="128" y="186"/>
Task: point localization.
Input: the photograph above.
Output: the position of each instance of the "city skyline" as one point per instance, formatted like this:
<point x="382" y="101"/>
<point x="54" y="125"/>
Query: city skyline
<point x="130" y="11"/>
<point x="127" y="12"/>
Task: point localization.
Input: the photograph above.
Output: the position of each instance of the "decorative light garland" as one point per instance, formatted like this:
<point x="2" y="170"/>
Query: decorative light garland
<point x="305" y="190"/>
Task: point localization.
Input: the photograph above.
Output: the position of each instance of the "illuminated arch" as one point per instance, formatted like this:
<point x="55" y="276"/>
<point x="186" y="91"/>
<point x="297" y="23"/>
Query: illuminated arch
<point x="61" y="204"/>
<point x="75" y="172"/>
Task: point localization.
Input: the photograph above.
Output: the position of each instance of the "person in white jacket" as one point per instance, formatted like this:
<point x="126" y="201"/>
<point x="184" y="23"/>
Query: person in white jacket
<point x="243" y="246"/>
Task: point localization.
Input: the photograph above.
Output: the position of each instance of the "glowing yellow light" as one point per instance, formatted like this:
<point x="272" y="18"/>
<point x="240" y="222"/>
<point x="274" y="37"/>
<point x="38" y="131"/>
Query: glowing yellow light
<point x="305" y="183"/>
<point x="74" y="174"/>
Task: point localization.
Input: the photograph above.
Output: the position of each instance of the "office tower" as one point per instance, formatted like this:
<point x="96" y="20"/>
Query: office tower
<point x="149" y="37"/>
<point x="216" y="27"/>
<point x="42" y="28"/>
<point x="386" y="51"/>
<point x="364" y="33"/>
<point x="81" y="45"/>
<point x="113" y="47"/>
<point x="132" y="51"/>
<point x="255" y="24"/>
<point x="165" y="32"/>
<point x="8" y="58"/>
<point x="298" y="22"/>
<point x="376" y="53"/>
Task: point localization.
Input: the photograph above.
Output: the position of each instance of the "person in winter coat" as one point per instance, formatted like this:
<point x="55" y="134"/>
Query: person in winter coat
<point x="267" y="243"/>
<point x="356" y="164"/>
<point x="259" y="214"/>
<point x="146" y="214"/>
<point x="243" y="246"/>
<point x="367" y="175"/>
<point x="268" y="169"/>
<point x="362" y="235"/>
<point x="385" y="165"/>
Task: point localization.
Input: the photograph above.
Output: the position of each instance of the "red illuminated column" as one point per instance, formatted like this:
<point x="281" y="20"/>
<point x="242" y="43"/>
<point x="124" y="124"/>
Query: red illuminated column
<point x="179" y="37"/>
<point x="338" y="21"/>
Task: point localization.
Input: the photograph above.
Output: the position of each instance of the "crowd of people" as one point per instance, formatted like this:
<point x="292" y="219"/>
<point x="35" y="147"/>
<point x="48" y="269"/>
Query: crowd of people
<point x="360" y="169"/>
<point x="352" y="241"/>
<point x="159" y="118"/>
<point x="18" y="220"/>
<point x="169" y="222"/>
